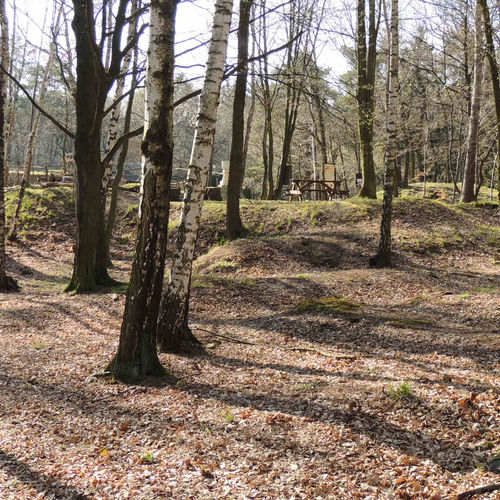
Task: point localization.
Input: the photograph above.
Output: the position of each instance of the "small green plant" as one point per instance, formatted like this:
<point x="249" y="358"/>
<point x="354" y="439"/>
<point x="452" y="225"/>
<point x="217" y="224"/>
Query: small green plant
<point x="400" y="391"/>
<point x="148" y="458"/>
<point x="229" y="417"/>
<point x="464" y="295"/>
<point x="41" y="345"/>
<point x="306" y="387"/>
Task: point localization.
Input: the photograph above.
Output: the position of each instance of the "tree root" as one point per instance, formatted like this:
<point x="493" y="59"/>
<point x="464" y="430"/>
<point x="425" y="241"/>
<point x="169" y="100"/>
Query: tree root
<point x="8" y="284"/>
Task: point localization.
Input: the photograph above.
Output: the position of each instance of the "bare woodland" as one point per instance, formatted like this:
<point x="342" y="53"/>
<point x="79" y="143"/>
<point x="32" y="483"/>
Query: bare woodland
<point x="249" y="249"/>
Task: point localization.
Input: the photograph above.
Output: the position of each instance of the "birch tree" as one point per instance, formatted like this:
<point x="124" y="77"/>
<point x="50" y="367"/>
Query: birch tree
<point x="383" y="256"/>
<point x="137" y="352"/>
<point x="6" y="282"/>
<point x="468" y="192"/>
<point x="103" y="249"/>
<point x="173" y="329"/>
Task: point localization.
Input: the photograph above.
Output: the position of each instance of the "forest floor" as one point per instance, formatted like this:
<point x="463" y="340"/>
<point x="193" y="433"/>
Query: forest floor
<point x="350" y="382"/>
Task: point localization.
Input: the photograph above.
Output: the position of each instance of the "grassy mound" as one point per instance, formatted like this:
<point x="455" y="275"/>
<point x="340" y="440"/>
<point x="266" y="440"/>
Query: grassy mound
<point x="41" y="207"/>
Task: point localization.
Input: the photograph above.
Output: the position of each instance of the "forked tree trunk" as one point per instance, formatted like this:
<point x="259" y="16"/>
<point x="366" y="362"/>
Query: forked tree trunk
<point x="6" y="282"/>
<point x="495" y="80"/>
<point x="234" y="226"/>
<point x="92" y="87"/>
<point x="137" y="352"/>
<point x="173" y="329"/>
<point x="468" y="192"/>
<point x="384" y="254"/>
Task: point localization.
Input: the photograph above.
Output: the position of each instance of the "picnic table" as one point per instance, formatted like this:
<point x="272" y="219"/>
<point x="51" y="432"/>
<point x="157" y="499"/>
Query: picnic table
<point x="330" y="189"/>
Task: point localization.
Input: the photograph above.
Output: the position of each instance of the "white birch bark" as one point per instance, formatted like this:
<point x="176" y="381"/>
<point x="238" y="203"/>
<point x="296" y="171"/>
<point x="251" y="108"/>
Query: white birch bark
<point x="173" y="314"/>
<point x="116" y="112"/>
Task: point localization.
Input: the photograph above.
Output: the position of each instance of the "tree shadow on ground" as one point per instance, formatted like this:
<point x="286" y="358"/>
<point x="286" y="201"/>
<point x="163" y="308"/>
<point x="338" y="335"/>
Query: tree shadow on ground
<point x="296" y="370"/>
<point x="345" y="333"/>
<point x="43" y="484"/>
<point x="328" y="411"/>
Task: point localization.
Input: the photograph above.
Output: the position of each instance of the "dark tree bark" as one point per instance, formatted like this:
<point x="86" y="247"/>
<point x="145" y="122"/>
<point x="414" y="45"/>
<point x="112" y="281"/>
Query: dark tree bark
<point x="366" y="55"/>
<point x="234" y="226"/>
<point x="495" y="80"/>
<point x="137" y="353"/>
<point x="93" y="83"/>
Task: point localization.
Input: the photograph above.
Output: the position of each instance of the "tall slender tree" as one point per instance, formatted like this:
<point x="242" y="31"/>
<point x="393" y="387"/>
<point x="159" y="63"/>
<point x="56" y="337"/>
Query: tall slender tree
<point x="468" y="192"/>
<point x="173" y="328"/>
<point x="103" y="249"/>
<point x="137" y="352"/>
<point x="495" y="79"/>
<point x="384" y="254"/>
<point x="234" y="226"/>
<point x="366" y="58"/>
<point x="35" y="125"/>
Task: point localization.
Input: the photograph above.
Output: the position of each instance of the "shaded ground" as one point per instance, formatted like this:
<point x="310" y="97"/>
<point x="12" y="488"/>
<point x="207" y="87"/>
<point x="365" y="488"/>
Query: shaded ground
<point x="262" y="420"/>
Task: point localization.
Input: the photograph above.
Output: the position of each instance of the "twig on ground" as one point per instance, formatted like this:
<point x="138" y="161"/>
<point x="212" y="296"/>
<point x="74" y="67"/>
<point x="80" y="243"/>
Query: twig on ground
<point x="274" y="346"/>
<point x="478" y="491"/>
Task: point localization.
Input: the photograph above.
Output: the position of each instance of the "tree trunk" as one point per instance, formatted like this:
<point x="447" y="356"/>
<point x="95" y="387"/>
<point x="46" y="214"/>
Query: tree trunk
<point x="234" y="226"/>
<point x="113" y="202"/>
<point x="103" y="249"/>
<point x="172" y="324"/>
<point x="468" y="193"/>
<point x="6" y="282"/>
<point x="92" y="87"/>
<point x="495" y="81"/>
<point x="366" y="61"/>
<point x="137" y="353"/>
<point x="384" y="255"/>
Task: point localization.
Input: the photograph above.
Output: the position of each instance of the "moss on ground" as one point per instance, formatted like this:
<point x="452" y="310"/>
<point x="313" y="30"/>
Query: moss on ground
<point x="334" y="304"/>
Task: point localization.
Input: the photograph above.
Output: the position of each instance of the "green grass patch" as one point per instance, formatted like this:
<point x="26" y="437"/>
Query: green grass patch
<point x="399" y="391"/>
<point x="41" y="345"/>
<point x="39" y="205"/>
<point x="224" y="266"/>
<point x="199" y="283"/>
